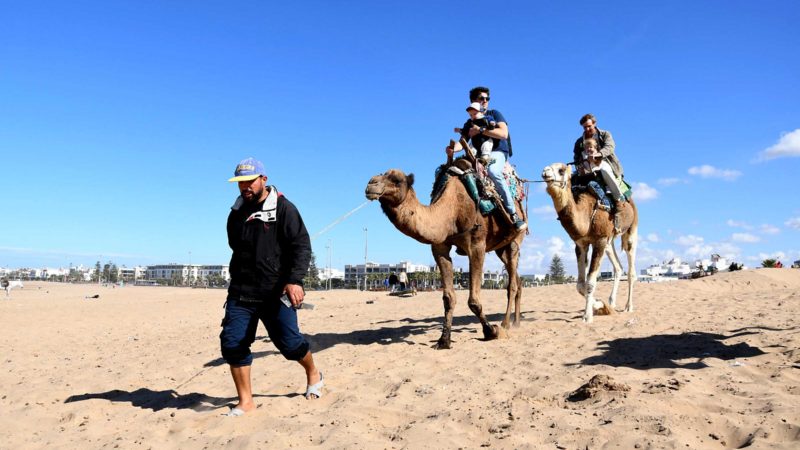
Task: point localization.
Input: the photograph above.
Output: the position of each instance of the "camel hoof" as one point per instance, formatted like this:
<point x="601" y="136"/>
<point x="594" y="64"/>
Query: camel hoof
<point x="500" y="332"/>
<point x="587" y="318"/>
<point x="490" y="332"/>
<point x="442" y="345"/>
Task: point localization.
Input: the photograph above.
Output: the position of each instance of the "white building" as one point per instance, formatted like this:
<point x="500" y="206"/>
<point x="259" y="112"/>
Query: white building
<point x="494" y="276"/>
<point x="357" y="272"/>
<point x="131" y="273"/>
<point x="673" y="268"/>
<point x="716" y="261"/>
<point x="186" y="273"/>
<point x="222" y="271"/>
<point x="331" y="273"/>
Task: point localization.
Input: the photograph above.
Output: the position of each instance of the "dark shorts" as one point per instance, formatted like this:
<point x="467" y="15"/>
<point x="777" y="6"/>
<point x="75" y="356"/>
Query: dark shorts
<point x="240" y="324"/>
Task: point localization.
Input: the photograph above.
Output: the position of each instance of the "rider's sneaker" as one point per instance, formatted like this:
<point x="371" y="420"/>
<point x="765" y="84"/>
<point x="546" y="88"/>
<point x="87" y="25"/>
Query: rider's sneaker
<point x="519" y="224"/>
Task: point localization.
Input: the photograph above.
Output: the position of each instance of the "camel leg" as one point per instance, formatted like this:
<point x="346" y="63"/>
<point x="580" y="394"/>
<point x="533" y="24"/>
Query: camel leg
<point x="518" y="300"/>
<point x="629" y="241"/>
<point x="509" y="255"/>
<point x="581" y="254"/>
<point x="591" y="283"/>
<point x="441" y="253"/>
<point x="477" y="252"/>
<point x="611" y="251"/>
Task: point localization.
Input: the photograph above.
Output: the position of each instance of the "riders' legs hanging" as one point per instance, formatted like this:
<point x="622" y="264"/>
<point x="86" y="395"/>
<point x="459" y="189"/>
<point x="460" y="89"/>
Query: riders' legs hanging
<point x="496" y="174"/>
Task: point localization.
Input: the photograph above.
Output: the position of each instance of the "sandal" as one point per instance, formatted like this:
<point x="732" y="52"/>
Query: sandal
<point x="315" y="389"/>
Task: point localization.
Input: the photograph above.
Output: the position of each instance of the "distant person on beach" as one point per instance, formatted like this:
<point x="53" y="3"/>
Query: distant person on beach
<point x="403" y="280"/>
<point x="501" y="149"/>
<point x="392" y="281"/>
<point x="603" y="160"/>
<point x="271" y="254"/>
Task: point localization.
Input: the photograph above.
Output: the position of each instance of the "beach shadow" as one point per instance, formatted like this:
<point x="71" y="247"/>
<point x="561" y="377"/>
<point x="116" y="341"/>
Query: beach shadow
<point x="389" y="335"/>
<point x="663" y="351"/>
<point x="383" y="336"/>
<point x="157" y="400"/>
<point x="571" y="316"/>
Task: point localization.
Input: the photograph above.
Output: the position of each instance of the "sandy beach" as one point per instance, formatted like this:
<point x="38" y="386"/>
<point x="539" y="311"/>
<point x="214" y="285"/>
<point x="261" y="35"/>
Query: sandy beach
<point x="706" y="363"/>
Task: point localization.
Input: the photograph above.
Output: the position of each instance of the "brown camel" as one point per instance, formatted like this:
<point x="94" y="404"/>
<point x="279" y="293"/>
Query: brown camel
<point x="588" y="225"/>
<point x="452" y="219"/>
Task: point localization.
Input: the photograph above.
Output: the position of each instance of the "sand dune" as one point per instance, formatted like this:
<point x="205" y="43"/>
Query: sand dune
<point x="706" y="363"/>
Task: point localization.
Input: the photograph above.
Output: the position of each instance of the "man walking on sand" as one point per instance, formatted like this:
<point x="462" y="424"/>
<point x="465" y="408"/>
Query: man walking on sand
<point x="271" y="254"/>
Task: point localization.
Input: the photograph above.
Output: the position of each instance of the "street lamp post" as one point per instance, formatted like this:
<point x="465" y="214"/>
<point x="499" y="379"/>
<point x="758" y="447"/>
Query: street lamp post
<point x="365" y="258"/>
<point x="328" y="280"/>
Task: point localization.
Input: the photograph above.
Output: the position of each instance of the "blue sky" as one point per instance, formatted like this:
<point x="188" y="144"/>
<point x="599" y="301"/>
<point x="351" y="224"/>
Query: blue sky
<point x="120" y="122"/>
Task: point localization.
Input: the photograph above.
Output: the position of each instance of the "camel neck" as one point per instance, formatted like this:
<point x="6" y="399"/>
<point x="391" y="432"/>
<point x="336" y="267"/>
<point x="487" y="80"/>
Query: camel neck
<point x="427" y="224"/>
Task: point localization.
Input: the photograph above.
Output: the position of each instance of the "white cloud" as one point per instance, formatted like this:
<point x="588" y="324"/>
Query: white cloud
<point x="671" y="181"/>
<point x="652" y="237"/>
<point x="546" y="210"/>
<point x="689" y="240"/>
<point x="737" y="224"/>
<point x="643" y="192"/>
<point x="727" y="250"/>
<point x="532" y="262"/>
<point x="788" y="146"/>
<point x="769" y="229"/>
<point x="745" y="237"/>
<point x="794" y="222"/>
<point x="773" y="255"/>
<point x="699" y="251"/>
<point x="536" y="255"/>
<point x="706" y="171"/>
<point x="556" y="246"/>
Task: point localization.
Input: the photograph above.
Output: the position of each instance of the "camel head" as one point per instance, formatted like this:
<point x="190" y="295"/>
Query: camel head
<point x="559" y="183"/>
<point x="558" y="177"/>
<point x="390" y="188"/>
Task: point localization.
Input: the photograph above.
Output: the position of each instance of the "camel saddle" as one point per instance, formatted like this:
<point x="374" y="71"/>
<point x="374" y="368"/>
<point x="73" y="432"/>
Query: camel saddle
<point x="477" y="183"/>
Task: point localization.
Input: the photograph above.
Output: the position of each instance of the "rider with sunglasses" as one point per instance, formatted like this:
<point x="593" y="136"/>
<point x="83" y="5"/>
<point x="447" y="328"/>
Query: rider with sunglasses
<point x="500" y="152"/>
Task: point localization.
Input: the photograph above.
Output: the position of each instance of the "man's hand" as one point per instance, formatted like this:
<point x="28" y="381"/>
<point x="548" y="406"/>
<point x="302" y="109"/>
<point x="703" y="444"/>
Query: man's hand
<point x="475" y="130"/>
<point x="295" y="293"/>
<point x="457" y="130"/>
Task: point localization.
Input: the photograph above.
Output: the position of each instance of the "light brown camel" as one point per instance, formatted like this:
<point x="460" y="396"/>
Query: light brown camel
<point x="453" y="220"/>
<point x="589" y="226"/>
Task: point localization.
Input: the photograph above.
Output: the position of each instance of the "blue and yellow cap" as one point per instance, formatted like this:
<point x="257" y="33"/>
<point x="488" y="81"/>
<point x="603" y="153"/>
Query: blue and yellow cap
<point x="248" y="169"/>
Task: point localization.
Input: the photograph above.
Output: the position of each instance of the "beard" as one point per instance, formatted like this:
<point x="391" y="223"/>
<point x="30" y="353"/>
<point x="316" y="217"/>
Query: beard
<point x="252" y="196"/>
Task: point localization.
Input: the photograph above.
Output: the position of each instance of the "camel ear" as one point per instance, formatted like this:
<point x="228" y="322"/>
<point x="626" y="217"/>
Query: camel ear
<point x="410" y="179"/>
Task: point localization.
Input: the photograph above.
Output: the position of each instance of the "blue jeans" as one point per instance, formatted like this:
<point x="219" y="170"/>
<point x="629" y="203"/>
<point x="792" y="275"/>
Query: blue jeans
<point x="496" y="174"/>
<point x="239" y="330"/>
<point x="600" y="193"/>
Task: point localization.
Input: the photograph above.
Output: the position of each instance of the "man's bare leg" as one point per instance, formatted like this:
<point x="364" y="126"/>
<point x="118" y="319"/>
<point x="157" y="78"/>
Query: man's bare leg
<point x="241" y="378"/>
<point x="312" y="373"/>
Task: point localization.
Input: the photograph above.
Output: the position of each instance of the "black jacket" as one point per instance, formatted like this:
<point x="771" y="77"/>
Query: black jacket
<point x="270" y="249"/>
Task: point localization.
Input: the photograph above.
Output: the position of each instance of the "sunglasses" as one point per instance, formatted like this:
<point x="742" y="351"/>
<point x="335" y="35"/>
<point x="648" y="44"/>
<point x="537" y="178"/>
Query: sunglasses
<point x="483" y="99"/>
